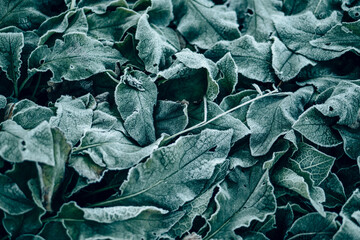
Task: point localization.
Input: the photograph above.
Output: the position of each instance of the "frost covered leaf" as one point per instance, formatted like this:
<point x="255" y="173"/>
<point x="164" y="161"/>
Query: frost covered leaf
<point x="100" y="6"/>
<point x="196" y="115"/>
<point x="344" y="103"/>
<point x="286" y="63"/>
<point x="211" y="23"/>
<point x="112" y="149"/>
<point x="310" y="159"/>
<point x="76" y="58"/>
<point x="136" y="108"/>
<point x="52" y="176"/>
<point x="177" y="173"/>
<point x="12" y="199"/>
<point x="351" y="138"/>
<point x="67" y="22"/>
<point x="253" y="59"/>
<point x="156" y="44"/>
<point x="160" y="12"/>
<point x="112" y="25"/>
<point x="121" y="222"/>
<point x="3" y="102"/>
<point x="170" y="117"/>
<point x="73" y="116"/>
<point x="282" y="110"/>
<point x="317" y="128"/>
<point x="229" y="78"/>
<point x="320" y="8"/>
<point x="308" y="27"/>
<point x="334" y="191"/>
<point x="320" y="227"/>
<point x="18" y="145"/>
<point x="10" y="52"/>
<point x="244" y="196"/>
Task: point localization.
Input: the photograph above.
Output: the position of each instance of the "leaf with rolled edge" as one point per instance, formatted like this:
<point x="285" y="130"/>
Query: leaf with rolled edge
<point x="317" y="128"/>
<point x="253" y="59"/>
<point x="285" y="62"/>
<point x="86" y="168"/>
<point x="170" y="117"/>
<point x="10" y="53"/>
<point x="12" y="199"/>
<point x="76" y="58"/>
<point x="244" y="196"/>
<point x="310" y="159"/>
<point x="334" y="191"/>
<point x="175" y="174"/>
<point x="160" y="12"/>
<point x="156" y="44"/>
<point x="18" y="145"/>
<point x="112" y="25"/>
<point x="204" y="24"/>
<point x="344" y="103"/>
<point x="120" y="222"/>
<point x="229" y="77"/>
<point x="273" y="116"/>
<point x="196" y="115"/>
<point x="136" y="108"/>
<point x="320" y="228"/>
<point x="100" y="6"/>
<point x="52" y="176"/>
<point x="351" y="138"/>
<point x="112" y="149"/>
<point x="309" y="28"/>
<point x="67" y="22"/>
<point x="3" y="101"/>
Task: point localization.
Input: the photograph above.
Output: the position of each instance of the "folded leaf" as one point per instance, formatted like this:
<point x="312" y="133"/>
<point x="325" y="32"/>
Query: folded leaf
<point x="161" y="12"/>
<point x="100" y="6"/>
<point x="75" y="58"/>
<point x="351" y="138"/>
<point x="229" y="78"/>
<point x="334" y="191"/>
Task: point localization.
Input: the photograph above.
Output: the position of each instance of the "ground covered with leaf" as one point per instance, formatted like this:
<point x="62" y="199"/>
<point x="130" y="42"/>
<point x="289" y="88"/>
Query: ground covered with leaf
<point x="179" y="119"/>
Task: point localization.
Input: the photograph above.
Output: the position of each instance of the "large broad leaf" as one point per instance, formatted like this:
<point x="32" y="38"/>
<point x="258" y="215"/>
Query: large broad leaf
<point x="253" y="59"/>
<point x="308" y="27"/>
<point x="160" y="12"/>
<point x="75" y="58"/>
<point x="136" y="107"/>
<point x="344" y="103"/>
<point x="112" y="149"/>
<point x="156" y="44"/>
<point x="204" y="24"/>
<point x="317" y="128"/>
<point x="286" y="63"/>
<point x="18" y="145"/>
<point x="12" y="199"/>
<point x="10" y="53"/>
<point x="310" y="159"/>
<point x="121" y="222"/>
<point x="282" y="110"/>
<point x="244" y="196"/>
<point x="320" y="227"/>
<point x="52" y="176"/>
<point x="112" y="25"/>
<point x="177" y="173"/>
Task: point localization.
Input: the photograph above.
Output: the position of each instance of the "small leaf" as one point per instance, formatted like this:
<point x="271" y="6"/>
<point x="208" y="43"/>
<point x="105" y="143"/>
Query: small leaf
<point x="3" y="102"/>
<point x="351" y="138"/>
<point x="229" y="78"/>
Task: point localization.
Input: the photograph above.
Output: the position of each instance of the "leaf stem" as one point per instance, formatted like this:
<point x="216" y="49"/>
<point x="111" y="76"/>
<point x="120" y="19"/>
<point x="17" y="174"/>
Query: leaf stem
<point x="16" y="90"/>
<point x="37" y="86"/>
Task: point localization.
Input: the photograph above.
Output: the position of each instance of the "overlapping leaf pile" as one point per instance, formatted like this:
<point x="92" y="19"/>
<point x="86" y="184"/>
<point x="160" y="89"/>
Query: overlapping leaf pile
<point x="179" y="119"/>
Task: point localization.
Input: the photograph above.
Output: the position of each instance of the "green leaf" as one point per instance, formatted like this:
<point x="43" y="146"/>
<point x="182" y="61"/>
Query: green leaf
<point x="156" y="44"/>
<point x="334" y="191"/>
<point x="10" y="52"/>
<point x="12" y="199"/>
<point x="76" y="58"/>
<point x="160" y="12"/>
<point x="177" y="173"/>
<point x="112" y="25"/>
<point x="101" y="6"/>
<point x="3" y="101"/>
<point x="18" y="145"/>
<point x="320" y="8"/>
<point x="320" y="227"/>
<point x="352" y="8"/>
<point x="67" y="22"/>
<point x="286" y="63"/>
<point x="282" y="110"/>
<point x="136" y="107"/>
<point x="351" y="138"/>
<point x="120" y="222"/>
<point x="244" y="196"/>
<point x="229" y="78"/>
<point x="196" y="116"/>
<point x="204" y="24"/>
<point x="310" y="159"/>
<point x="52" y="176"/>
<point x="253" y="59"/>
<point x="51" y="229"/>
<point x="309" y="28"/>
<point x="170" y="117"/>
<point x="86" y="168"/>
<point x="317" y="128"/>
<point x="344" y="103"/>
<point x="112" y="149"/>
<point x="73" y="116"/>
